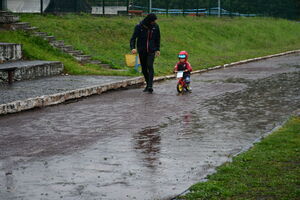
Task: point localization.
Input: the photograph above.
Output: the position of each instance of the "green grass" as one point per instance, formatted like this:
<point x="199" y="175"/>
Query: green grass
<point x="210" y="41"/>
<point x="35" y="48"/>
<point x="269" y="170"/>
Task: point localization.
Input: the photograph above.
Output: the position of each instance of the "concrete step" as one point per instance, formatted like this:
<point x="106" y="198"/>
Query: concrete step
<point x="49" y="38"/>
<point x="107" y="66"/>
<point x="67" y="48"/>
<point x="20" y="26"/>
<point x="74" y="53"/>
<point x="83" y="58"/>
<point x="3" y="12"/>
<point x="57" y="43"/>
<point x="8" y="19"/>
<point x="26" y="70"/>
<point x="31" y="29"/>
<point x="40" y="34"/>
<point x="78" y="55"/>
<point x="10" y="52"/>
<point x="95" y="62"/>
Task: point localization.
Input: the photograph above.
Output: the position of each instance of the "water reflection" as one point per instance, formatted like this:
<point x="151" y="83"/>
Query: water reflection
<point x="147" y="143"/>
<point x="187" y="118"/>
<point x="7" y="166"/>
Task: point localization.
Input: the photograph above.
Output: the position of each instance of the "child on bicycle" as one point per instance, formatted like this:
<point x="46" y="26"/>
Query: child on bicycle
<point x="184" y="65"/>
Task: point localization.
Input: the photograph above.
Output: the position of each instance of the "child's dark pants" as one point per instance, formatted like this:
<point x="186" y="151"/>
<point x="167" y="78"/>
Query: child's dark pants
<point x="187" y="77"/>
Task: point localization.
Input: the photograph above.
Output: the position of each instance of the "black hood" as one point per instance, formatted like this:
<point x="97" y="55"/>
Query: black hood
<point x="148" y="19"/>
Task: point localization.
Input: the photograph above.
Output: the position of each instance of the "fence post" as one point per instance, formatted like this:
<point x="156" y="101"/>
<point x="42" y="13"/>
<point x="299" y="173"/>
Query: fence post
<point x="219" y="6"/>
<point x="76" y="5"/>
<point x="3" y="4"/>
<point x="42" y="6"/>
<point x="127" y="6"/>
<point x="103" y="7"/>
<point x="197" y="12"/>
<point x="183" y="7"/>
<point x="167" y="9"/>
<point x="209" y="5"/>
<point x="230" y="8"/>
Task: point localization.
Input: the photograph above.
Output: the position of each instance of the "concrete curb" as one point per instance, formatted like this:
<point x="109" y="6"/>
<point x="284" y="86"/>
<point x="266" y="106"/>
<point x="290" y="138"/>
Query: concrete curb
<point x="246" y="61"/>
<point x="48" y="100"/>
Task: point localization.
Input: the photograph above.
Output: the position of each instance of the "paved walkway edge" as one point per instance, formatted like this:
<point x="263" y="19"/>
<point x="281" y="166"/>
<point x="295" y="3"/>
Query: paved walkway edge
<point x="48" y="100"/>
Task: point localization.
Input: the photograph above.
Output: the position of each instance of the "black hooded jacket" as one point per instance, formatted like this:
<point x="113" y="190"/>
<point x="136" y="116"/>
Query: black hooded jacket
<point x="147" y="35"/>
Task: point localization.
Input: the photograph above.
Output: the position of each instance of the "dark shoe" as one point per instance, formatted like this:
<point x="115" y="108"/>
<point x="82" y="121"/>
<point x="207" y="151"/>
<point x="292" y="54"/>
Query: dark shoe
<point x="150" y="90"/>
<point x="146" y="89"/>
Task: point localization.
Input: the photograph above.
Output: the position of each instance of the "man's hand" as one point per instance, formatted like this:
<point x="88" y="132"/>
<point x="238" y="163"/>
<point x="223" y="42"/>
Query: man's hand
<point x="157" y="53"/>
<point x="133" y="51"/>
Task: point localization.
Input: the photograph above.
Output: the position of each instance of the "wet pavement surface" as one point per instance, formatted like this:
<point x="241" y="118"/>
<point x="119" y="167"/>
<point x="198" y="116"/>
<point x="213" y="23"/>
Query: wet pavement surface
<point x="22" y="90"/>
<point x="132" y="145"/>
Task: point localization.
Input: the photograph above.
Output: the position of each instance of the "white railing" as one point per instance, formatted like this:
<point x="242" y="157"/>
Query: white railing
<point x="26" y="6"/>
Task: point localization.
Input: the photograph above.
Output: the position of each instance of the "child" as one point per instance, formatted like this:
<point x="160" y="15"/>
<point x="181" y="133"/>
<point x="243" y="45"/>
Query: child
<point x="184" y="65"/>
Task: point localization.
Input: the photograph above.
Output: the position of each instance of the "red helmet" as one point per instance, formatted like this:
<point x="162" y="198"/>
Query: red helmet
<point x="183" y="55"/>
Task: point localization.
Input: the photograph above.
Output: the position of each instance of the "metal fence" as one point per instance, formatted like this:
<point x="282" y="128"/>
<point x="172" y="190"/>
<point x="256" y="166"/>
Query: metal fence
<point x="2" y="4"/>
<point x="68" y="6"/>
<point x="275" y="8"/>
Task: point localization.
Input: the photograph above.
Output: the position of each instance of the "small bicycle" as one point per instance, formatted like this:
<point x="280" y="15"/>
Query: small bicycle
<point x="181" y="84"/>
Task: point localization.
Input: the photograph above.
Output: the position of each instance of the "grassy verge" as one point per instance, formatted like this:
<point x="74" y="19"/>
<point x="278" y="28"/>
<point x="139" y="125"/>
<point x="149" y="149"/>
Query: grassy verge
<point x="35" y="48"/>
<point x="269" y="170"/>
<point x="210" y="41"/>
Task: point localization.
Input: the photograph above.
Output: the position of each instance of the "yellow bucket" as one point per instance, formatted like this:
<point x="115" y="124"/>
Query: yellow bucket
<point x="131" y="59"/>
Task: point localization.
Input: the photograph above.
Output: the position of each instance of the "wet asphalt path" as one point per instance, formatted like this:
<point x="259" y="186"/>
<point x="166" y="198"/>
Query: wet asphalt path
<point x="22" y="90"/>
<point x="131" y="145"/>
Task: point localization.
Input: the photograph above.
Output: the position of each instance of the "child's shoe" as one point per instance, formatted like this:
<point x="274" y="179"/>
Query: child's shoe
<point x="188" y="88"/>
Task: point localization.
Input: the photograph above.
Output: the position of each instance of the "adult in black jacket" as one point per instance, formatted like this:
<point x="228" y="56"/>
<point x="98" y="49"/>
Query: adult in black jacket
<point x="147" y="35"/>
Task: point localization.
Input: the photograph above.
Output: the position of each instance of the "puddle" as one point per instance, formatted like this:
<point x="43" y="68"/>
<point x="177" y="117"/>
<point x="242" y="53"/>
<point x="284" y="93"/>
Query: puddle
<point x="131" y="145"/>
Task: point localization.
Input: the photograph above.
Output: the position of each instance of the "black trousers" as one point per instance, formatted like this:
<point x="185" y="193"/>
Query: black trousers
<point x="147" y="60"/>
